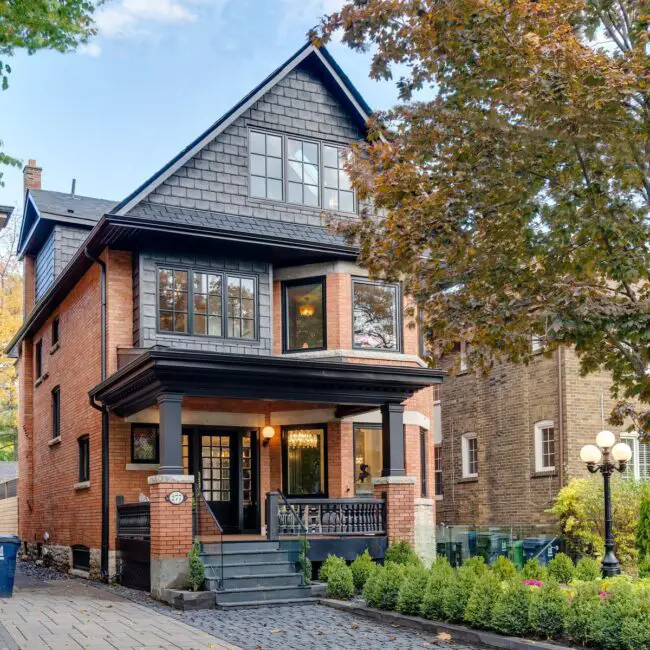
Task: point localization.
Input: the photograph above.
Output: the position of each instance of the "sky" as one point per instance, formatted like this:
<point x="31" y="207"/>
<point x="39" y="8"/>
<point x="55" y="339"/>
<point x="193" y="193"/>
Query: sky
<point x="158" y="73"/>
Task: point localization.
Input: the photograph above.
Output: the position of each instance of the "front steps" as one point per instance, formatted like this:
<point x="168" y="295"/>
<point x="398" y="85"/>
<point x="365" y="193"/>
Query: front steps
<point x="254" y="574"/>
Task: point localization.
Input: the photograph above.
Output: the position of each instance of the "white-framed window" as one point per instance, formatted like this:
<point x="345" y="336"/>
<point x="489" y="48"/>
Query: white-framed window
<point x="469" y="446"/>
<point x="464" y="365"/>
<point x="438" y="471"/>
<point x="537" y="343"/>
<point x="638" y="467"/>
<point x="545" y="446"/>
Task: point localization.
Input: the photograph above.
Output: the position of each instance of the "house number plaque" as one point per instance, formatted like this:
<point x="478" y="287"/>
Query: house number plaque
<point x="176" y="498"/>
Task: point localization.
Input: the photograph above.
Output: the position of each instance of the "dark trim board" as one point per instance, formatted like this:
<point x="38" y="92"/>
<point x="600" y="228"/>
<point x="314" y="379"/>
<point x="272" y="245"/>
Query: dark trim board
<point x="346" y="547"/>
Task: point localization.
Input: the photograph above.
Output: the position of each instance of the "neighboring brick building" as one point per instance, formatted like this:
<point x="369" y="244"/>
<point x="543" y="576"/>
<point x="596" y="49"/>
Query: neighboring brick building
<point x="511" y="439"/>
<point x="210" y="328"/>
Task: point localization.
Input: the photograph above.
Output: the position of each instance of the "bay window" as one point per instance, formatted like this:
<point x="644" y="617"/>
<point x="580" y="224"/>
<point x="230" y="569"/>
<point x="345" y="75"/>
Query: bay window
<point x="304" y="315"/>
<point x="375" y="315"/>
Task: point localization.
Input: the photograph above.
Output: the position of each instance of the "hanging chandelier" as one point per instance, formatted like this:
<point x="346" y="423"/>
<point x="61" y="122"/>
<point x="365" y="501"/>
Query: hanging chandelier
<point x="303" y="439"/>
<point x="307" y="310"/>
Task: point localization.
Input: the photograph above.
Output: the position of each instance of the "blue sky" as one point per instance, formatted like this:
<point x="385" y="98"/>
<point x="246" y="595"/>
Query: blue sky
<point x="158" y="74"/>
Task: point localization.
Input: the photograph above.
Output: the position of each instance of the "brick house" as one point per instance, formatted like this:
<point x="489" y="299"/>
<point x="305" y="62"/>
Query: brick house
<point x="205" y="359"/>
<point x="512" y="439"/>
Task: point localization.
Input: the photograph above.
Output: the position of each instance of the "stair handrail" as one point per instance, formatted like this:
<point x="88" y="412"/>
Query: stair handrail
<point x="304" y="542"/>
<point x="199" y="496"/>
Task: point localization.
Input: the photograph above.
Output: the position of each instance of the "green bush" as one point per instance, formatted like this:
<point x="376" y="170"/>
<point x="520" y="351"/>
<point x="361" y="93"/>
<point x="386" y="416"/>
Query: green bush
<point x="617" y="606"/>
<point x="304" y="562"/>
<point x="331" y="562"/>
<point x="371" y="587"/>
<point x="561" y="568"/>
<point x="643" y="537"/>
<point x="635" y="632"/>
<point x="548" y="609"/>
<point x="587" y="570"/>
<point x="441" y="575"/>
<point x="510" y="611"/>
<point x="339" y="581"/>
<point x="533" y="570"/>
<point x="411" y="593"/>
<point x="389" y="584"/>
<point x="504" y="569"/>
<point x="362" y="567"/>
<point x="583" y="615"/>
<point x="478" y="612"/>
<point x="644" y="567"/>
<point x="460" y="589"/>
<point x="401" y="552"/>
<point x="196" y="570"/>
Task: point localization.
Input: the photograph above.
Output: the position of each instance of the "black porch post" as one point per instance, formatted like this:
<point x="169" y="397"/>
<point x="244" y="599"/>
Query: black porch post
<point x="171" y="455"/>
<point x="392" y="438"/>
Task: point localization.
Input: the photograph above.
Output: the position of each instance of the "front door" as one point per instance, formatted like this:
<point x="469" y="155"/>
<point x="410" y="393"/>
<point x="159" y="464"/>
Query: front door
<point x="225" y="465"/>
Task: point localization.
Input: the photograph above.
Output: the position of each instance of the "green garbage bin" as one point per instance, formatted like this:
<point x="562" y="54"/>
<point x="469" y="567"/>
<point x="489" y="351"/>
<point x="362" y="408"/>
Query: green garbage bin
<point x="517" y="554"/>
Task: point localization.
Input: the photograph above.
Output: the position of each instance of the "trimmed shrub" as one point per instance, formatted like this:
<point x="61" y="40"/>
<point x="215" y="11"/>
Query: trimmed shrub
<point x="362" y="567"/>
<point x="644" y="567"/>
<point x="587" y="570"/>
<point x="504" y="569"/>
<point x="331" y="561"/>
<point x="460" y="589"/>
<point x="510" y="611"/>
<point x="401" y="552"/>
<point x="411" y="593"/>
<point x="371" y="587"/>
<point x="441" y="575"/>
<point x="561" y="568"/>
<point x="642" y="541"/>
<point x="533" y="570"/>
<point x="304" y="562"/>
<point x="583" y="615"/>
<point x="476" y="564"/>
<point x="478" y="612"/>
<point x="196" y="571"/>
<point x="619" y="603"/>
<point x="339" y="581"/>
<point x="548" y="609"/>
<point x="635" y="632"/>
<point x="388" y="585"/>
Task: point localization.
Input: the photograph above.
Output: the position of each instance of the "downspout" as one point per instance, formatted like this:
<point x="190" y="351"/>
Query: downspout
<point x="104" y="412"/>
<point x="560" y="427"/>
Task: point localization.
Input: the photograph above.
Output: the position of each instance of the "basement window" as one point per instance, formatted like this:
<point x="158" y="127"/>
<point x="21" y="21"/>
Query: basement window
<point x="81" y="557"/>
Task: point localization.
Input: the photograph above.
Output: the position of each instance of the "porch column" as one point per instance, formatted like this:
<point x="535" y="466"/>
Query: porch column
<point x="392" y="439"/>
<point x="171" y="455"/>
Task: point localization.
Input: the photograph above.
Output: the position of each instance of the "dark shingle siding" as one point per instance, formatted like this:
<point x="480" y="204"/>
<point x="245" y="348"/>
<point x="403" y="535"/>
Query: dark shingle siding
<point x="45" y="266"/>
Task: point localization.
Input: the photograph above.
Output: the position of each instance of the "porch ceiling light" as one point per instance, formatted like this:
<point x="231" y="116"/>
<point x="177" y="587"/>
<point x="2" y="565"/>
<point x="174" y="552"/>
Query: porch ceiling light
<point x="267" y="433"/>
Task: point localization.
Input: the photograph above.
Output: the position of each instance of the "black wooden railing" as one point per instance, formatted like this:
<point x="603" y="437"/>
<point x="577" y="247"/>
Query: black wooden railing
<point x="206" y="523"/>
<point x="358" y="516"/>
<point x="133" y="521"/>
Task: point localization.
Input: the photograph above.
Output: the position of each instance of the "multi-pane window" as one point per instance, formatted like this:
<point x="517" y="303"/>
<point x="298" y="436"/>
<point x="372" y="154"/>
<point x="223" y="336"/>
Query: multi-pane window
<point x="207" y="301"/>
<point x="544" y="446"/>
<point x="84" y="458"/>
<point x="38" y="359"/>
<point x="199" y="306"/>
<point x="55" y="331"/>
<point x="173" y="300"/>
<point x="56" y="411"/>
<point x="304" y="315"/>
<point x="303" y="450"/>
<point x="215" y="468"/>
<point x="638" y="467"/>
<point x="469" y="444"/>
<point x="423" y="462"/>
<point x="438" y="470"/>
<point x="302" y="172"/>
<point x="266" y="166"/>
<point x="337" y="190"/>
<point x="375" y="315"/>
<point x="367" y="457"/>
<point x="144" y="443"/>
<point x="241" y="307"/>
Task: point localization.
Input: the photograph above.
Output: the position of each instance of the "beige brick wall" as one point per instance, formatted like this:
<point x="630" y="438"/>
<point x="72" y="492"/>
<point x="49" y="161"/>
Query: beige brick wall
<point x="9" y="516"/>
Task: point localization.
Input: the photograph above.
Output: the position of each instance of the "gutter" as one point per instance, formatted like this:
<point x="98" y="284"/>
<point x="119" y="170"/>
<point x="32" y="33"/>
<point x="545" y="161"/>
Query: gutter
<point x="105" y="423"/>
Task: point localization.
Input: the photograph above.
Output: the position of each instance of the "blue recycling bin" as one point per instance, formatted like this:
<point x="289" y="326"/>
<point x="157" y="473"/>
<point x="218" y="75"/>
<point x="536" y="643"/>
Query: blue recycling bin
<point x="9" y="545"/>
<point x="542" y="548"/>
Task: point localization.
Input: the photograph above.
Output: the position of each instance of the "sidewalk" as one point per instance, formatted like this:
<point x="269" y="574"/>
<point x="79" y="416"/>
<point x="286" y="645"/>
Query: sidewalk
<point x="64" y="614"/>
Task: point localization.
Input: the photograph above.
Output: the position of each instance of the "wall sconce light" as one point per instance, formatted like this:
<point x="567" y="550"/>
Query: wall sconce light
<point x="267" y="433"/>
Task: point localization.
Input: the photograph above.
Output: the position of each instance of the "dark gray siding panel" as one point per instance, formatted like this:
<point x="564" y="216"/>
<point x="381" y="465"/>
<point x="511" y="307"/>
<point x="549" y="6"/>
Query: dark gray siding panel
<point x="136" y="299"/>
<point x="45" y="266"/>
<point x="68" y="241"/>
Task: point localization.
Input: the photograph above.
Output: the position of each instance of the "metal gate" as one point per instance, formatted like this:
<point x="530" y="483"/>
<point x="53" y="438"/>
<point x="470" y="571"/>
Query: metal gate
<point x="134" y="545"/>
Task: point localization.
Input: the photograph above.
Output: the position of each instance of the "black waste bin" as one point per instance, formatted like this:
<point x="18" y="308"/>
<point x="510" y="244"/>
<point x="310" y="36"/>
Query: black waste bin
<point x="9" y="545"/>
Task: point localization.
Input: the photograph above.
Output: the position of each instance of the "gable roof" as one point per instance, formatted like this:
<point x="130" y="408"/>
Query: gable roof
<point x="319" y="56"/>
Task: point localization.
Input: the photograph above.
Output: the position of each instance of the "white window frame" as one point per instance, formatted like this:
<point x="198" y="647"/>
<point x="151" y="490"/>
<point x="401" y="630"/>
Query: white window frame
<point x="437" y="470"/>
<point x="465" y="446"/>
<point x="463" y="363"/>
<point x="539" y="448"/>
<point x="537" y="343"/>
<point x="633" y="467"/>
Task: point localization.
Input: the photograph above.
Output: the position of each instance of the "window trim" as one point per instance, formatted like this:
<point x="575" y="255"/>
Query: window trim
<point x="355" y="428"/>
<point x="285" y="461"/>
<point x="424" y="456"/>
<point x="437" y="471"/>
<point x="38" y="359"/>
<point x="84" y="461"/>
<point x="285" y="180"/>
<point x="539" y="449"/>
<point x="465" y="438"/>
<point x="633" y="466"/>
<point x="286" y="284"/>
<point x="224" y="273"/>
<point x="537" y="343"/>
<point x="55" y="412"/>
<point x="399" y="325"/>
<point x="156" y="460"/>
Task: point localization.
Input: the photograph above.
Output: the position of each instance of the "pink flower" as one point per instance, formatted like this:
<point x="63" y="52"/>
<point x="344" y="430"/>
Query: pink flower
<point x="533" y="583"/>
<point x="604" y="595"/>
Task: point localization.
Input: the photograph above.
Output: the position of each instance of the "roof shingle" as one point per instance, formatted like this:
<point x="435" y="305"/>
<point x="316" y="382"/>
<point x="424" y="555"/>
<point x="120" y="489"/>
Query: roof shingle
<point x="70" y="205"/>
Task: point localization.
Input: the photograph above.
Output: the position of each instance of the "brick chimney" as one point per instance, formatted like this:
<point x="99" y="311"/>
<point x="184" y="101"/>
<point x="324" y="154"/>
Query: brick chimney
<point x="32" y="176"/>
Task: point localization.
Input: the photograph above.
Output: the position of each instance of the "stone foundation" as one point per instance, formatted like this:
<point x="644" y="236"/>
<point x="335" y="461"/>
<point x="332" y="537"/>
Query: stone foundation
<point x="425" y="530"/>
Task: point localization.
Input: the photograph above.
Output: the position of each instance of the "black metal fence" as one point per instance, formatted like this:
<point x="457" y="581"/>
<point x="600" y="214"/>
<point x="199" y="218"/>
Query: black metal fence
<point x="133" y="521"/>
<point x="134" y="544"/>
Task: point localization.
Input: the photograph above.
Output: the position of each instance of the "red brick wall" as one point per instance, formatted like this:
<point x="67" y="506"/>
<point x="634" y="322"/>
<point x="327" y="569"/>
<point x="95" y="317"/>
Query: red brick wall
<point x="171" y="525"/>
<point x="400" y="511"/>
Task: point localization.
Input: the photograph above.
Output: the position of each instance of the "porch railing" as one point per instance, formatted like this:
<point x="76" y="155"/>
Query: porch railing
<point x="206" y="523"/>
<point x="340" y="517"/>
<point x="133" y="521"/>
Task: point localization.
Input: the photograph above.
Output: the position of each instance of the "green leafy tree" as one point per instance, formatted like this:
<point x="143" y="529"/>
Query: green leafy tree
<point x="511" y="183"/>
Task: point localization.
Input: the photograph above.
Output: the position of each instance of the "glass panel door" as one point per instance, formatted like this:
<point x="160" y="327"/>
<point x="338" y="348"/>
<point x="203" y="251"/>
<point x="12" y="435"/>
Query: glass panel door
<point x="217" y="477"/>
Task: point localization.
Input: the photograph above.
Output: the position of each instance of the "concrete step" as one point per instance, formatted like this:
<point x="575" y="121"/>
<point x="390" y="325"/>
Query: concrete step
<point x="262" y="594"/>
<point x="235" y="547"/>
<point x="252" y="581"/>
<point x="280" y="602"/>
<point x="247" y="556"/>
<point x="231" y="570"/>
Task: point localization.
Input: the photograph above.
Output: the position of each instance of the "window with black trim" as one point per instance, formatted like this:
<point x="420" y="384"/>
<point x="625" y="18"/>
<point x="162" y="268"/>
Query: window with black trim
<point x="38" y="359"/>
<point x="144" y="443"/>
<point x="304" y="315"/>
<point x="195" y="302"/>
<point x="56" y="412"/>
<point x="84" y="458"/>
<point x="367" y="457"/>
<point x="375" y="315"/>
<point x="337" y="189"/>
<point x="304" y="471"/>
<point x="55" y="332"/>
<point x="423" y="462"/>
<point x="265" y="162"/>
<point x="302" y="172"/>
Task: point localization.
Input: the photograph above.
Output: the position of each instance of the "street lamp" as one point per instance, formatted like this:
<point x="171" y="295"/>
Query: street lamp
<point x="605" y="457"/>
